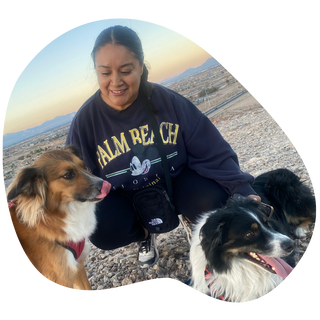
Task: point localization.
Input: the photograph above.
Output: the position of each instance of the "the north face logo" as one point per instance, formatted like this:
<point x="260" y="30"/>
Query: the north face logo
<point x="155" y="222"/>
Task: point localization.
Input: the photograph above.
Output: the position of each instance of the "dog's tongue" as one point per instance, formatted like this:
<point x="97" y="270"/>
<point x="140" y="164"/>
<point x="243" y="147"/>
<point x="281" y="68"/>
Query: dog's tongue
<point x="281" y="267"/>
<point x="106" y="187"/>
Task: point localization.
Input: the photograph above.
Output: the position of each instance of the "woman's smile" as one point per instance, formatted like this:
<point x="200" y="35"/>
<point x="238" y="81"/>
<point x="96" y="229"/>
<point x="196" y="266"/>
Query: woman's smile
<point x="118" y="92"/>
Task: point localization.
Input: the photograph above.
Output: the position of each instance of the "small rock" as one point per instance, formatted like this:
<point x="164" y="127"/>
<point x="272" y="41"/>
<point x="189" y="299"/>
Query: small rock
<point x="126" y="281"/>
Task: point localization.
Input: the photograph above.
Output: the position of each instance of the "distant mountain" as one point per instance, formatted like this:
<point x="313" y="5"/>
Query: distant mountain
<point x="13" y="138"/>
<point x="211" y="62"/>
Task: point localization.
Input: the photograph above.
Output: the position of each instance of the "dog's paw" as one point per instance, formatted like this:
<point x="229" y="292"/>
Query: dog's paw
<point x="300" y="232"/>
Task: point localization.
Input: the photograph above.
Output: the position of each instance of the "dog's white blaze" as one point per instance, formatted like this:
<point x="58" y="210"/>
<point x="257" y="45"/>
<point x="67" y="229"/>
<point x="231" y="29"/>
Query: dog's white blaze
<point x="261" y="225"/>
<point x="277" y="251"/>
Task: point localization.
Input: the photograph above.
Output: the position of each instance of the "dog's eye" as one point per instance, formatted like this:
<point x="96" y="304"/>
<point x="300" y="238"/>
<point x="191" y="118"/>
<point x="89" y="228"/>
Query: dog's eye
<point x="249" y="234"/>
<point x="68" y="176"/>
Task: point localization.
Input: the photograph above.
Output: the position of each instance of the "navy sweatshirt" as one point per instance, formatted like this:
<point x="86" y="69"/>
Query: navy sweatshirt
<point x="119" y="146"/>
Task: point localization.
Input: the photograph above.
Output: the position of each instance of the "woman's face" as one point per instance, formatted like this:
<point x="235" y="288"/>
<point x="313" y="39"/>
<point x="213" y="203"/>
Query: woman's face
<point x="119" y="74"/>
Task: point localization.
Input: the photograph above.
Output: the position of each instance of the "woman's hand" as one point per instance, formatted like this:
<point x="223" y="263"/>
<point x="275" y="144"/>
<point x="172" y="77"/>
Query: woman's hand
<point x="254" y="197"/>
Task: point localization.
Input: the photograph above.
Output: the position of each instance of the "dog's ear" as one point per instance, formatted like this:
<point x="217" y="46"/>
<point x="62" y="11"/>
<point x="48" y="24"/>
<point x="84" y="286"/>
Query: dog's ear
<point x="29" y="182"/>
<point x="75" y="151"/>
<point x="29" y="189"/>
<point x="212" y="235"/>
<point x="212" y="231"/>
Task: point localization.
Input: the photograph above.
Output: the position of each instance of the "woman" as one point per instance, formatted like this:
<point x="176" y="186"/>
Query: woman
<point x="112" y="131"/>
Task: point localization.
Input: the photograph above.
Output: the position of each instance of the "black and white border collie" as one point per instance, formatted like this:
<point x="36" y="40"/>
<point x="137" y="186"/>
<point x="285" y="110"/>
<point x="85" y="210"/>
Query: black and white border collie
<point x="239" y="253"/>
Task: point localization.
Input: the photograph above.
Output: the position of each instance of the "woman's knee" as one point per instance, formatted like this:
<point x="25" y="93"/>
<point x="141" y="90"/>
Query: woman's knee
<point x="117" y="223"/>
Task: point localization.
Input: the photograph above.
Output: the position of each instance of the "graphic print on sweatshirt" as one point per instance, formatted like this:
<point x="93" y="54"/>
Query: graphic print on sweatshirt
<point x="134" y="155"/>
<point x="138" y="168"/>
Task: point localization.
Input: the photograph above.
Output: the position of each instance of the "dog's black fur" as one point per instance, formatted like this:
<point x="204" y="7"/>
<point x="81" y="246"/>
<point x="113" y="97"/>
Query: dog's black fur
<point x="294" y="204"/>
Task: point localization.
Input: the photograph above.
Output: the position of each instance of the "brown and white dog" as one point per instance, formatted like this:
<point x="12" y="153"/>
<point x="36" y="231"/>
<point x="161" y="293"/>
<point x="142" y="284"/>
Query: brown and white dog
<point x="52" y="204"/>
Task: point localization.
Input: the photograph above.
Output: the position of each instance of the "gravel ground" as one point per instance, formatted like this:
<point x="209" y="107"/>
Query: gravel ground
<point x="261" y="145"/>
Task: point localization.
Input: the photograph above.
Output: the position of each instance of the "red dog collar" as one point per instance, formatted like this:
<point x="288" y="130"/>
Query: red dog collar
<point x="75" y="248"/>
<point x="207" y="275"/>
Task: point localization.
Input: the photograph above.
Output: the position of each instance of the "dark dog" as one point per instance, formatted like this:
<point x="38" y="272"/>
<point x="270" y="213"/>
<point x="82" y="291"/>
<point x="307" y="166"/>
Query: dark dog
<point x="294" y="204"/>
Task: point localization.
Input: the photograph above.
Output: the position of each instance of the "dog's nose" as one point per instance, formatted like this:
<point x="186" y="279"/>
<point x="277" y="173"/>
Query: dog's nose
<point x="99" y="183"/>
<point x="287" y="245"/>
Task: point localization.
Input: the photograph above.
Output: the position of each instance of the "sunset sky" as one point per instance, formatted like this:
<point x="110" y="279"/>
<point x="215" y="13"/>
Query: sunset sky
<point x="61" y="76"/>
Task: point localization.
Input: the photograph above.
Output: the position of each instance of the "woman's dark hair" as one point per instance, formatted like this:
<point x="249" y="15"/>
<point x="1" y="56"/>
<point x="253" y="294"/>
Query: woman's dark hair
<point x="128" y="38"/>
